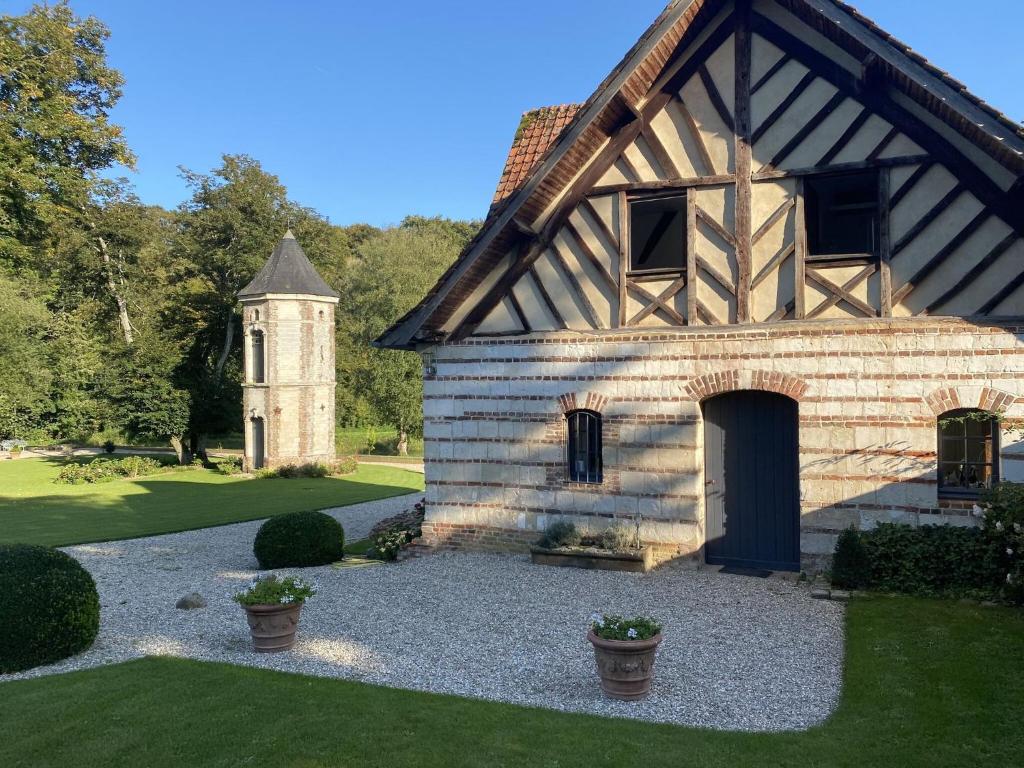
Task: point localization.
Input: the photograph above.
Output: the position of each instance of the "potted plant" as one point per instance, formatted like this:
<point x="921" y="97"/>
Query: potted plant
<point x="624" y="650"/>
<point x="272" y="607"/>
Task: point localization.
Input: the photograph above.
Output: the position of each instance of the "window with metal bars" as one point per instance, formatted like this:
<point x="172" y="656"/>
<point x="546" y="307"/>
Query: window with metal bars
<point x="968" y="452"/>
<point x="258" y="358"/>
<point x="583" y="446"/>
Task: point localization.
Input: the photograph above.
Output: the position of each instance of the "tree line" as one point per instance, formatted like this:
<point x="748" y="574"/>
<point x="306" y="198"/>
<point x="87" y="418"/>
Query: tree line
<point x="119" y="317"/>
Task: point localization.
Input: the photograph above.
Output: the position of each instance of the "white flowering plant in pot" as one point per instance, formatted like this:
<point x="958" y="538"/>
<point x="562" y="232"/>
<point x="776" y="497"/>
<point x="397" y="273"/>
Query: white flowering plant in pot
<point x="271" y="590"/>
<point x="272" y="607"/>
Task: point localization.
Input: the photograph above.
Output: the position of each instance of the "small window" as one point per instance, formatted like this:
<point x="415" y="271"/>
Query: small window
<point x="583" y="449"/>
<point x="255" y="315"/>
<point x="842" y="215"/>
<point x="657" y="234"/>
<point x="258" y="358"/>
<point x="968" y="452"/>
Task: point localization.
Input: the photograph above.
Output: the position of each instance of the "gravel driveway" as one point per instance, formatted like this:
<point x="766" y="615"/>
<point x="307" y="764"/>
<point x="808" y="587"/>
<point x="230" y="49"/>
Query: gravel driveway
<point x="739" y="653"/>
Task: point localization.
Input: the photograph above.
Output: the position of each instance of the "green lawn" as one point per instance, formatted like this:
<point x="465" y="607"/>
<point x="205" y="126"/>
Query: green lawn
<point x="34" y="509"/>
<point x="928" y="683"/>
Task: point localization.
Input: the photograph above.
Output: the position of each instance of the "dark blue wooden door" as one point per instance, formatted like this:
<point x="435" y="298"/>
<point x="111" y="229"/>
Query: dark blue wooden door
<point x="751" y="471"/>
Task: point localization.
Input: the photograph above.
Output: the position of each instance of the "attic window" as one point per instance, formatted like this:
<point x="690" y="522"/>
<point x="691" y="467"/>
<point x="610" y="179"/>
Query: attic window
<point x="657" y="234"/>
<point x="842" y="216"/>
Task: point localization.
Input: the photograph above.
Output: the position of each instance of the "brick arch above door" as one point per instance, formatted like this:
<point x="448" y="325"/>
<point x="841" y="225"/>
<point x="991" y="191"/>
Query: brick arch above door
<point x="711" y="384"/>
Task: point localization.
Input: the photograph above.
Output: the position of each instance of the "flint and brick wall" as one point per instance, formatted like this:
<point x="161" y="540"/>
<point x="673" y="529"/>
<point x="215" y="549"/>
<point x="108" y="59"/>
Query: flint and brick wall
<point x="869" y="395"/>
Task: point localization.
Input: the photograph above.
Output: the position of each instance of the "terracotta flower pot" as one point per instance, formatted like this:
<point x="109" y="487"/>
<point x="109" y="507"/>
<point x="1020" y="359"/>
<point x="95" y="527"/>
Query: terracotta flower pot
<point x="626" y="667"/>
<point x="273" y="627"/>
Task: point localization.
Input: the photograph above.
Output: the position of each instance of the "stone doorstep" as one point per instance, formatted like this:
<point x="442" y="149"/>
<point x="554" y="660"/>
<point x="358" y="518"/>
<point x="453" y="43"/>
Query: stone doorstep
<point x="824" y="593"/>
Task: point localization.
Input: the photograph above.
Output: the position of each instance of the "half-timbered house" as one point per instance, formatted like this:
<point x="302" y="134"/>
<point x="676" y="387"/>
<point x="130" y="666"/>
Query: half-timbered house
<point x="741" y="294"/>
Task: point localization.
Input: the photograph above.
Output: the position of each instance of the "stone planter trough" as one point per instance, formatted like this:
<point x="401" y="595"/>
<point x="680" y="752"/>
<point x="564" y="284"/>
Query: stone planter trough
<point x="633" y="561"/>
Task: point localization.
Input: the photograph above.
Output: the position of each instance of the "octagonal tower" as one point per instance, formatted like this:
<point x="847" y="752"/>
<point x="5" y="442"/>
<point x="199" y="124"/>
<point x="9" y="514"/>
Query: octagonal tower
<point x="288" y="347"/>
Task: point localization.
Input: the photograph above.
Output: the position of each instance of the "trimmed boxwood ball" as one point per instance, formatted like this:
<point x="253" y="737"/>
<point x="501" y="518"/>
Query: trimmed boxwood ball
<point x="299" y="540"/>
<point x="49" y="607"/>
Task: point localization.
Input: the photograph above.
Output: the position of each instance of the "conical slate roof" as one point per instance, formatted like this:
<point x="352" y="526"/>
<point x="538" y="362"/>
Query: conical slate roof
<point x="288" y="270"/>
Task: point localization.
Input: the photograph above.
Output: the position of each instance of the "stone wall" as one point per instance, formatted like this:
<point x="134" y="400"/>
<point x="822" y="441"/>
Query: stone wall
<point x="869" y="393"/>
<point x="296" y="401"/>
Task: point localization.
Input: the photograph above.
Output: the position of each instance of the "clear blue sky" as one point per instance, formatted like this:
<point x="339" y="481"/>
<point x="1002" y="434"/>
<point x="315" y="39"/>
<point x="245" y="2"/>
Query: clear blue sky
<point x="369" y="111"/>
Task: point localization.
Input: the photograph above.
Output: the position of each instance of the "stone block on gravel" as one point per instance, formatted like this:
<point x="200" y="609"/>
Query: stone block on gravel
<point x="190" y="602"/>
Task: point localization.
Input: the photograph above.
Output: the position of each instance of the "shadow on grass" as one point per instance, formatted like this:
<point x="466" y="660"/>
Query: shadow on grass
<point x="173" y="502"/>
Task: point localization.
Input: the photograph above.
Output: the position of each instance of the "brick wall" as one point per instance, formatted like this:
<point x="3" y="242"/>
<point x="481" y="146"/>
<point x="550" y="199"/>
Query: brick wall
<point x="869" y="393"/>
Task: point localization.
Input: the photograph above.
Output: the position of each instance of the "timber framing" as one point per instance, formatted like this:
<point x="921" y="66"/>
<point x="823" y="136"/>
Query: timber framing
<point x="535" y="218"/>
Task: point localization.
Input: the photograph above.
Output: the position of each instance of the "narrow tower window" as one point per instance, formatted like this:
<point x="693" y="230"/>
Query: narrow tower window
<point x="258" y="358"/>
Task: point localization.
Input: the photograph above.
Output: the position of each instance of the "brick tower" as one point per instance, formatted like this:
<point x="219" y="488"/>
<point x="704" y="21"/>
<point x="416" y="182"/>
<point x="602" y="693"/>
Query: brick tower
<point x="288" y="346"/>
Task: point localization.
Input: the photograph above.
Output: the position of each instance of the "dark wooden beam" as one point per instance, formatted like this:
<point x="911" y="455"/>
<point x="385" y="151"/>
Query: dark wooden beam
<point x="772" y="220"/>
<point x="570" y="277"/>
<point x="691" y="258"/>
<point x="610" y="237"/>
<point x="885" y="142"/>
<point x="1004" y="293"/>
<point x="921" y="224"/>
<point x="941" y="255"/>
<point x="691" y="126"/>
<point x="851" y="130"/>
<point x="659" y="302"/>
<point x="620" y="139"/>
<point x="546" y="298"/>
<point x="518" y="309"/>
<point x="799" y="252"/>
<point x="718" y="277"/>
<point x="727" y="237"/>
<point x="930" y="140"/>
<point x="706" y="315"/>
<point x="884" y="243"/>
<point x="772" y="71"/>
<point x="784" y="105"/>
<point x="743" y="155"/>
<point x="692" y="64"/>
<point x="661" y="154"/>
<point x="771" y="174"/>
<point x="782" y="312"/>
<point x="773" y="263"/>
<point x="654" y="186"/>
<point x="592" y="257"/>
<point x="842" y="292"/>
<point x="908" y="184"/>
<point x="974" y="272"/>
<point x="715" y="97"/>
<point x="631" y="170"/>
<point x="623" y="204"/>
<point x="806" y="130"/>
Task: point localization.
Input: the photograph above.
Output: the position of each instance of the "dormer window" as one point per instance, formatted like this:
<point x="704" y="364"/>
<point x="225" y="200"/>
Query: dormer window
<point x="842" y="217"/>
<point x="657" y="234"/>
